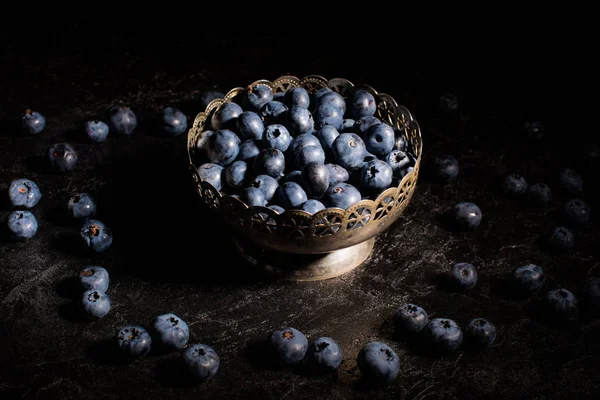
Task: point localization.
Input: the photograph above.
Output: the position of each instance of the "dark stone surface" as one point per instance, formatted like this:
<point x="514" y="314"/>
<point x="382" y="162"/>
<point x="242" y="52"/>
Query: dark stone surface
<point x="169" y="256"/>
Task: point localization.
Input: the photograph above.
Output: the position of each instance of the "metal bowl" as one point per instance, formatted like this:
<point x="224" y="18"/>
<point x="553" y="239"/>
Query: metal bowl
<point x="296" y="231"/>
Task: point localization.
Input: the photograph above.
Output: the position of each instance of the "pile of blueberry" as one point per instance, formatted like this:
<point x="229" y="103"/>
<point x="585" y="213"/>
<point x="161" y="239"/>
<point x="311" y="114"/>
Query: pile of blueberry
<point x="294" y="150"/>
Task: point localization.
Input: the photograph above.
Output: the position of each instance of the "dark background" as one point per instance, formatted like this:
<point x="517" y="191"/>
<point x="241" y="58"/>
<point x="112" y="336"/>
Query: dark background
<point x="170" y="256"/>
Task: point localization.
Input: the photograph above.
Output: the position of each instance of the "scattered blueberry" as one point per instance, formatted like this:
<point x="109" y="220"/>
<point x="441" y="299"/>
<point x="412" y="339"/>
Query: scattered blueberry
<point x="274" y="112"/>
<point x="236" y="174"/>
<point x="341" y="195"/>
<point x="570" y="181"/>
<point x="327" y="114"/>
<point x="378" y="363"/>
<point x="528" y="278"/>
<point x="253" y="197"/>
<point x="539" y="194"/>
<point x="96" y="236"/>
<point x="445" y="168"/>
<point x="463" y="275"/>
<point x="291" y="195"/>
<point x="277" y="136"/>
<point x="256" y="97"/>
<point x="174" y="122"/>
<point x="380" y="139"/>
<point x="534" y="129"/>
<point x="467" y="215"/>
<point x="312" y="206"/>
<point x="208" y="96"/>
<point x="270" y="162"/>
<point x="22" y="225"/>
<point x="514" y="185"/>
<point x="63" y="157"/>
<point x="297" y="97"/>
<point x="310" y="154"/>
<point x="172" y="331"/>
<point x="300" y="121"/>
<point x="212" y="173"/>
<point x="362" y="125"/>
<point x="82" y="205"/>
<point x="201" y="360"/>
<point x="337" y="174"/>
<point x="563" y="303"/>
<point x="249" y="149"/>
<point x="480" y="333"/>
<point x="122" y="119"/>
<point x="33" y="122"/>
<point x="576" y="212"/>
<point x="96" y="131"/>
<point x="223" y="147"/>
<point x="347" y="125"/>
<point x="95" y="304"/>
<point x="288" y="345"/>
<point x="363" y="104"/>
<point x="315" y="177"/>
<point x="325" y="354"/>
<point x="375" y="177"/>
<point x="133" y="341"/>
<point x="250" y="125"/>
<point x="267" y="184"/>
<point x="561" y="238"/>
<point x="591" y="291"/>
<point x="225" y="117"/>
<point x="94" y="277"/>
<point x="410" y="319"/>
<point x="443" y="335"/>
<point x="24" y="193"/>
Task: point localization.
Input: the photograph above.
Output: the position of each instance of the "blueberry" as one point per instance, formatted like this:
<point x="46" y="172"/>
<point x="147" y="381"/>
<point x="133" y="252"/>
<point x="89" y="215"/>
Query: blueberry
<point x="514" y="185"/>
<point x="335" y="99"/>
<point x="96" y="236"/>
<point x="327" y="114"/>
<point x="300" y="120"/>
<point x="288" y="346"/>
<point x="347" y="125"/>
<point x="63" y="157"/>
<point x="267" y="184"/>
<point x="297" y="97"/>
<point x="253" y="197"/>
<point x="570" y="181"/>
<point x="236" y="174"/>
<point x="315" y="177"/>
<point x="277" y="208"/>
<point x="172" y="332"/>
<point x="349" y="151"/>
<point x="539" y="194"/>
<point x="591" y="291"/>
<point x="291" y="195"/>
<point x="534" y="129"/>
<point x="363" y="104"/>
<point x="22" y="225"/>
<point x="212" y="173"/>
<point x="279" y="96"/>
<point x="304" y="140"/>
<point x="463" y="275"/>
<point x="378" y="363"/>
<point x="278" y="137"/>
<point x="443" y="335"/>
<point x="341" y="195"/>
<point x="480" y="333"/>
<point x="24" y="193"/>
<point x="133" y="341"/>
<point x="320" y="93"/>
<point x="563" y="303"/>
<point x="337" y="174"/>
<point x="528" y="278"/>
<point x="122" y="119"/>
<point x="445" y="168"/>
<point x="375" y="177"/>
<point x="250" y="125"/>
<point x="96" y="131"/>
<point x="449" y="102"/>
<point x="401" y="173"/>
<point x="576" y="212"/>
<point x="202" y="140"/>
<point x="467" y="215"/>
<point x="398" y="160"/>
<point x="294" y="176"/>
<point x="400" y="142"/>
<point x="380" y="139"/>
<point x="256" y="97"/>
<point x="33" y="122"/>
<point x="327" y="136"/>
<point x="324" y="354"/>
<point x="274" y="112"/>
<point x="249" y="149"/>
<point x="225" y="117"/>
<point x="362" y="125"/>
<point x="270" y="162"/>
<point x="561" y="238"/>
<point x="174" y="122"/>
<point x="310" y="154"/>
<point x="223" y="147"/>
<point x="410" y="319"/>
<point x="94" y="277"/>
<point x="95" y="304"/>
<point x="82" y="205"/>
<point x="202" y="361"/>
<point x="208" y="96"/>
<point x="312" y="206"/>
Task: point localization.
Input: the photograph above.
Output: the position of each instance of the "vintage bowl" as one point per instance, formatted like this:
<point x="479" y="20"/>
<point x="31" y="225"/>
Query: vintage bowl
<point x="295" y="244"/>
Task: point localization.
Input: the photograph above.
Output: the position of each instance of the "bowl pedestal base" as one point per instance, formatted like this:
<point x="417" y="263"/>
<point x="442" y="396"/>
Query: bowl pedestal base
<point x="305" y="267"/>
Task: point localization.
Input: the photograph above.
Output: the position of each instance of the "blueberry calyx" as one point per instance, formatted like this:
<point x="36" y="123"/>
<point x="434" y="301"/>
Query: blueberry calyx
<point x="199" y="352"/>
<point x="76" y="198"/>
<point x="88" y="272"/>
<point x="338" y="190"/>
<point x="480" y="322"/>
<point x="321" y="346"/>
<point x="288" y="335"/>
<point x="93" y="230"/>
<point x="445" y="324"/>
<point x="352" y="143"/>
<point x="134" y="334"/>
<point x="174" y="321"/>
<point x="386" y="354"/>
<point x="94" y="296"/>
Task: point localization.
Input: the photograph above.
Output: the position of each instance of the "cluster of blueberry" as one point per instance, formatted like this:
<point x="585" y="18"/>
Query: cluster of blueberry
<point x="294" y="150"/>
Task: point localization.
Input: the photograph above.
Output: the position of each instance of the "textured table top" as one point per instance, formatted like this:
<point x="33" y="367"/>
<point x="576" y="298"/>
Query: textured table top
<point x="168" y="255"/>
